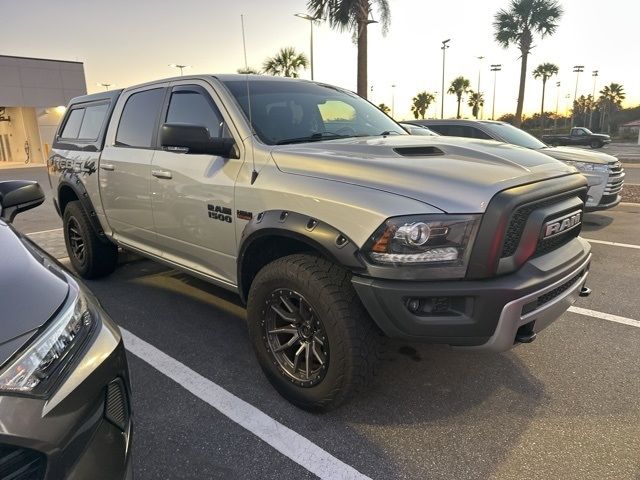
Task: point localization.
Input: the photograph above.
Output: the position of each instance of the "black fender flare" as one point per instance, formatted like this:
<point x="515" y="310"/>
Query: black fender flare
<point x="73" y="181"/>
<point x="322" y="237"/>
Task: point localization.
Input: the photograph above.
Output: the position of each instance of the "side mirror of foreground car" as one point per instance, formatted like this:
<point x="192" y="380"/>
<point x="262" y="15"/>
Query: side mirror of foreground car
<point x="17" y="196"/>
<point x="185" y="138"/>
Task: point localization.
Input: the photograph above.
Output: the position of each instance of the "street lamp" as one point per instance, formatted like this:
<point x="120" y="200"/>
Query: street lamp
<point x="311" y="19"/>
<point x="577" y="69"/>
<point x="393" y="101"/>
<point x="567" y="96"/>
<point x="479" y="70"/>
<point x="495" y="69"/>
<point x="594" y="74"/>
<point x="444" y="50"/>
<point x="180" y="67"/>
<point x="105" y="85"/>
<point x="435" y="104"/>
<point x="555" y="122"/>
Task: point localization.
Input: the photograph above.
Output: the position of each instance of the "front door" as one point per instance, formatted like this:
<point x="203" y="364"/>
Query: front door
<point x="192" y="194"/>
<point x="125" y="168"/>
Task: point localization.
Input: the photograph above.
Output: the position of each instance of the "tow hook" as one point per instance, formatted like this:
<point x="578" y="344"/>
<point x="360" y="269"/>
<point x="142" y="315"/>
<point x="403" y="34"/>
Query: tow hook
<point x="585" y="291"/>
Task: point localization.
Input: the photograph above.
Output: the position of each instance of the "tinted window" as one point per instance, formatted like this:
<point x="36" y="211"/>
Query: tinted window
<point x="94" y="116"/>
<point x="477" y="133"/>
<point x="138" y="119"/>
<point x="441" y="129"/>
<point x="194" y="108"/>
<point x="513" y="135"/>
<point x="72" y="127"/>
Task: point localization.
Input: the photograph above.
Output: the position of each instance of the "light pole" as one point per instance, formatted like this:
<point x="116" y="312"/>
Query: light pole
<point x="435" y="104"/>
<point x="495" y="69"/>
<point x="594" y="74"/>
<point x="180" y="67"/>
<point x="393" y="100"/>
<point x="568" y="97"/>
<point x="444" y="49"/>
<point x="311" y="19"/>
<point x="480" y="70"/>
<point x="577" y="69"/>
<point x="555" y="123"/>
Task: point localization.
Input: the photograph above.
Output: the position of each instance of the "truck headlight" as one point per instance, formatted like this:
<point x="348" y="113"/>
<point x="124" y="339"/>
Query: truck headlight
<point x="588" y="167"/>
<point x="52" y="349"/>
<point x="438" y="240"/>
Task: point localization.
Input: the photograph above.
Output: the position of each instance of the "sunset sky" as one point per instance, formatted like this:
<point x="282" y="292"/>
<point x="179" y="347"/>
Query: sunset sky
<point x="127" y="42"/>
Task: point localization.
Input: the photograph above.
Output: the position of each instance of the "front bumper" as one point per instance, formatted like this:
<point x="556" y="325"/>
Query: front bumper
<point x="484" y="314"/>
<point x="76" y="433"/>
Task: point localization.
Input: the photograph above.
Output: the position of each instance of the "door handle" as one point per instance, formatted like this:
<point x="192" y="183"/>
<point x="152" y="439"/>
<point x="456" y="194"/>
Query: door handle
<point x="162" y="174"/>
<point x="107" y="166"/>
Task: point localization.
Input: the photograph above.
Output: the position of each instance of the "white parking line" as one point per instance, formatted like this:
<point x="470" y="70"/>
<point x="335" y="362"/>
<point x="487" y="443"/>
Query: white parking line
<point x="615" y="244"/>
<point x="283" y="439"/>
<point x="44" y="231"/>
<point x="605" y="316"/>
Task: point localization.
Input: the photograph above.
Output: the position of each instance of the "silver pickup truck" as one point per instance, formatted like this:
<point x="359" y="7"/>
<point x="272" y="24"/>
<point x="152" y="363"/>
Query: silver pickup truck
<point x="334" y="226"/>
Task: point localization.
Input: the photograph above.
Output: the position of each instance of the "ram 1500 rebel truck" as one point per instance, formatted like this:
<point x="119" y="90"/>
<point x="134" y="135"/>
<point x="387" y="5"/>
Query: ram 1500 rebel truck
<point x="605" y="175"/>
<point x="332" y="224"/>
<point x="578" y="136"/>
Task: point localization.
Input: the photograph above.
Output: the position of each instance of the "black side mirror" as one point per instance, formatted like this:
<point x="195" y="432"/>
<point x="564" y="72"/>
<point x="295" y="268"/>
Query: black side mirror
<point x="18" y="196"/>
<point x="186" y="138"/>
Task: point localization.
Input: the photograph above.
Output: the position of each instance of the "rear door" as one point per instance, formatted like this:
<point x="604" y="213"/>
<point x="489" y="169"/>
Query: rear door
<point x="125" y="167"/>
<point x="193" y="194"/>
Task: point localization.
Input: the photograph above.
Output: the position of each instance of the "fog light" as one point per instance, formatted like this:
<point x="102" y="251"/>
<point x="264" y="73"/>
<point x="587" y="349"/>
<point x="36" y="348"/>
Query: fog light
<point x="414" y="304"/>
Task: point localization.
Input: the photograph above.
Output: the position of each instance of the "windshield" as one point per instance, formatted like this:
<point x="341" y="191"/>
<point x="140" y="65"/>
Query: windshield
<point x="296" y="112"/>
<point x="511" y="134"/>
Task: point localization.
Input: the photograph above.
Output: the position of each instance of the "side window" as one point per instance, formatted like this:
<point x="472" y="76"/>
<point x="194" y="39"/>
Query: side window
<point x="73" y="123"/>
<point x="194" y="108"/>
<point x="477" y="133"/>
<point x="441" y="129"/>
<point x="138" y="119"/>
<point x="459" y="131"/>
<point x="94" y="116"/>
<point x="579" y="132"/>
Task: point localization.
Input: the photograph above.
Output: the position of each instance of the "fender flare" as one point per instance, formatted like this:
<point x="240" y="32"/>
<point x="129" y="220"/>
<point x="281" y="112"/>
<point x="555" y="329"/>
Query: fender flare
<point x="73" y="181"/>
<point x="322" y="237"/>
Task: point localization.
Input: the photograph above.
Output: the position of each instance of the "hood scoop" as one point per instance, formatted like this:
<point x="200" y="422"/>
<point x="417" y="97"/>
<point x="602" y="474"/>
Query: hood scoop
<point x="418" y="151"/>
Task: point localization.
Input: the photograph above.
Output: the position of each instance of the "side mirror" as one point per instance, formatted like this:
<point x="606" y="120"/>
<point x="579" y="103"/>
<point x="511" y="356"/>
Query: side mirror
<point x="17" y="196"/>
<point x="186" y="138"/>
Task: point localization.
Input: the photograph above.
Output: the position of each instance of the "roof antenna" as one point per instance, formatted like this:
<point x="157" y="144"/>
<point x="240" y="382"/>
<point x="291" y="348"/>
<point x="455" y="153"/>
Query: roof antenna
<point x="254" y="172"/>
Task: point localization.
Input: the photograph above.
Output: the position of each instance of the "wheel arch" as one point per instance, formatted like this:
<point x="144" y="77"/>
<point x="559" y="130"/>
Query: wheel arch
<point x="71" y="188"/>
<point x="277" y="233"/>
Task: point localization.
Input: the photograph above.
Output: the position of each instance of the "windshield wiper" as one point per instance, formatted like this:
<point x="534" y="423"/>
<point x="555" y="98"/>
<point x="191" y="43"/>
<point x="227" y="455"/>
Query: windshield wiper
<point x="390" y="132"/>
<point x="312" y="138"/>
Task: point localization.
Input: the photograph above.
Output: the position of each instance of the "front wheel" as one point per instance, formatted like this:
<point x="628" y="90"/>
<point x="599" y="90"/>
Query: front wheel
<point x="313" y="338"/>
<point x="596" y="144"/>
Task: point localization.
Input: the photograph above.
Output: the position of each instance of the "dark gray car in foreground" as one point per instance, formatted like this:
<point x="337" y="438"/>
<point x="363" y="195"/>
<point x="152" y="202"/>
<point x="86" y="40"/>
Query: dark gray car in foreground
<point x="64" y="381"/>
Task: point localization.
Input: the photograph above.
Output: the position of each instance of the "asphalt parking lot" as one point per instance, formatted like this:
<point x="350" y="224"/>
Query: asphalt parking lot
<point x="565" y="406"/>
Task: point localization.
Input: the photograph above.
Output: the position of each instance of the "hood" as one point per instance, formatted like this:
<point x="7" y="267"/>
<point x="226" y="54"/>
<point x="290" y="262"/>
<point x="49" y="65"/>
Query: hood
<point x="460" y="176"/>
<point x="29" y="293"/>
<point x="578" y="155"/>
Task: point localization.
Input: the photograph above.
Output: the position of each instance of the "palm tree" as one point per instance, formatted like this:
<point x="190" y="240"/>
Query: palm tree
<point x="353" y="16"/>
<point x="248" y="70"/>
<point x="420" y="104"/>
<point x="475" y="101"/>
<point x="611" y="97"/>
<point x="544" y="71"/>
<point x="384" y="108"/>
<point x="517" y="26"/>
<point x="286" y="62"/>
<point x="459" y="87"/>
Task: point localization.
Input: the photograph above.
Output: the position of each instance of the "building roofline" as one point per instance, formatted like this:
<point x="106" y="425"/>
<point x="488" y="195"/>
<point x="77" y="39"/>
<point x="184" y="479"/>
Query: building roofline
<point x="42" y="59"/>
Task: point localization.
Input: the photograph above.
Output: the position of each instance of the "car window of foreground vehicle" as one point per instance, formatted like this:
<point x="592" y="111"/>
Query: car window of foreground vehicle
<point x="296" y="112"/>
<point x="515" y="136"/>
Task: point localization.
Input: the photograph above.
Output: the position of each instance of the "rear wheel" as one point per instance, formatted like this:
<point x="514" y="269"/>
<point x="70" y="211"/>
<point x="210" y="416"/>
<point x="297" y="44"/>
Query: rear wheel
<point x="312" y="336"/>
<point x="90" y="256"/>
<point x="596" y="144"/>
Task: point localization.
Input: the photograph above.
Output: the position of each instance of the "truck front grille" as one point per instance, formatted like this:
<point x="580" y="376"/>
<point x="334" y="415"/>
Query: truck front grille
<point x="21" y="463"/>
<point x="615" y="182"/>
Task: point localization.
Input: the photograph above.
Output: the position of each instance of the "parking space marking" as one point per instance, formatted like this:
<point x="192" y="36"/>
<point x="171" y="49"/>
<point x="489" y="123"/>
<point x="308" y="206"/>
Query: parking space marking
<point x="615" y="244"/>
<point x="286" y="441"/>
<point x="44" y="231"/>
<point x="605" y="316"/>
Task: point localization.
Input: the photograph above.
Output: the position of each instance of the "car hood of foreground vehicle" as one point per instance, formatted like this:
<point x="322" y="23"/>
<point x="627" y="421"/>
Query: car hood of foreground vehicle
<point x="455" y="175"/>
<point x="30" y="293"/>
<point x="578" y="155"/>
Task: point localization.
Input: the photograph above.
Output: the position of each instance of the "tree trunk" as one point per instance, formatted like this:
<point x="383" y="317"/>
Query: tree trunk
<point x="459" y="100"/>
<point x="544" y="86"/>
<point x="525" y="46"/>
<point x="362" y="58"/>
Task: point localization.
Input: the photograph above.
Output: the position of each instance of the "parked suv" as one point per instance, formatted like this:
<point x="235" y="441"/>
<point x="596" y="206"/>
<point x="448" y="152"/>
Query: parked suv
<point x="332" y="223"/>
<point x="604" y="172"/>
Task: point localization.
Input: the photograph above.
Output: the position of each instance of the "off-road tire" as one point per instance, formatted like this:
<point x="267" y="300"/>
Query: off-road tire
<point x="100" y="257"/>
<point x="353" y="338"/>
